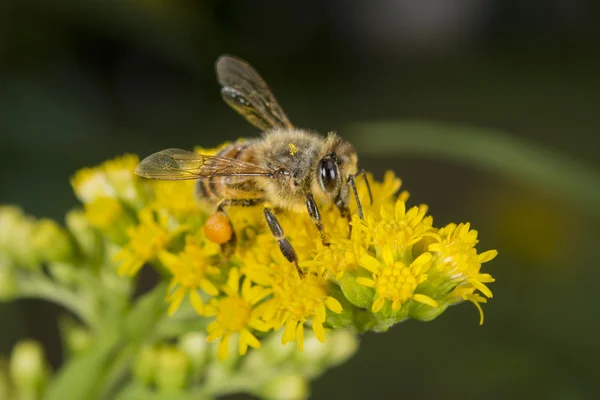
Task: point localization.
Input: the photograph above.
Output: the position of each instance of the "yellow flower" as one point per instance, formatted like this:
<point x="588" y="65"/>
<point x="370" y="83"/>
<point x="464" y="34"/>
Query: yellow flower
<point x="458" y="261"/>
<point x="297" y="300"/>
<point x="176" y="197"/>
<point x="146" y="240"/>
<point x="383" y="192"/>
<point x="119" y="172"/>
<point x="394" y="281"/>
<point x="390" y="266"/>
<point x="91" y="183"/>
<point x="191" y="270"/>
<point x="396" y="227"/>
<point x="235" y="314"/>
<point x="114" y="178"/>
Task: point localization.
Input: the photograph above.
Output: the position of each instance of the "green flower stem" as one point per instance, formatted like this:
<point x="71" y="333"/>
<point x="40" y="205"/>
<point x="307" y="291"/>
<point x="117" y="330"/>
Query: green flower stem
<point x="138" y="327"/>
<point x="513" y="157"/>
<point x="37" y="286"/>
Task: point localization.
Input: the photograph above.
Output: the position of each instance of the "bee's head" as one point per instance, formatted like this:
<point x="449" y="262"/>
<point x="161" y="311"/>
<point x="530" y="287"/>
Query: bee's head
<point x="337" y="162"/>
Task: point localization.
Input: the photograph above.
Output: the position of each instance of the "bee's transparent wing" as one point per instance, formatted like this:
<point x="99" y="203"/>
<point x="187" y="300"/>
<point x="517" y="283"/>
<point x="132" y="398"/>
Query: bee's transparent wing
<point x="177" y="164"/>
<point x="247" y="93"/>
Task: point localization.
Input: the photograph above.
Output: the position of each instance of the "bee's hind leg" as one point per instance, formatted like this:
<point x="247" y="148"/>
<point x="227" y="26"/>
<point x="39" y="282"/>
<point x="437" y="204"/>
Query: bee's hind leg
<point x="229" y="246"/>
<point x="284" y="245"/>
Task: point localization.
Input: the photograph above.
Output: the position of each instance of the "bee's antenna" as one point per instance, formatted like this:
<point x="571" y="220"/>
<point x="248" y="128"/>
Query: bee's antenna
<point x="358" y="206"/>
<point x="364" y="174"/>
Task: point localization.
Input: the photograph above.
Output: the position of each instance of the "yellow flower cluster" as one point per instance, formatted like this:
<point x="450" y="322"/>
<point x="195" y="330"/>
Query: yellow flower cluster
<point x="390" y="266"/>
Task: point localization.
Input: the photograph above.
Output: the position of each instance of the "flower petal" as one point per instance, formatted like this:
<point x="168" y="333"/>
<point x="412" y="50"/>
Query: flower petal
<point x="290" y="332"/>
<point x="423" y="259"/>
<point x="259" y="325"/>
<point x="320" y="313"/>
<point x="421" y="298"/>
<point x="223" y="349"/>
<point x="369" y="263"/>
<point x="388" y="256"/>
<point x="333" y="304"/>
<point x="300" y="336"/>
<point x="487" y="256"/>
<point x="250" y="339"/>
<point x="365" y="281"/>
<point x="318" y="330"/>
<point x="208" y="287"/>
<point x="400" y="210"/>
<point x="233" y="281"/>
<point x="175" y="300"/>
<point x="196" y="301"/>
<point x="482" y="288"/>
<point x="378" y="304"/>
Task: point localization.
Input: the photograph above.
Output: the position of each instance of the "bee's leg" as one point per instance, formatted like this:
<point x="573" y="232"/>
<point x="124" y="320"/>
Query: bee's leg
<point x="229" y="247"/>
<point x="284" y="245"/>
<point x="238" y="203"/>
<point x="363" y="173"/>
<point x="345" y="213"/>
<point x="358" y="205"/>
<point x="315" y="215"/>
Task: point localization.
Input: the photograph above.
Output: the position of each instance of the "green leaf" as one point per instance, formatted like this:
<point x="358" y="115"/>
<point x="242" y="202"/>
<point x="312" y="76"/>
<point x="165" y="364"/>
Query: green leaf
<point x="360" y="296"/>
<point x="513" y="157"/>
<point x="346" y="317"/>
<point x="74" y="380"/>
<point x="146" y="313"/>
<point x="101" y="367"/>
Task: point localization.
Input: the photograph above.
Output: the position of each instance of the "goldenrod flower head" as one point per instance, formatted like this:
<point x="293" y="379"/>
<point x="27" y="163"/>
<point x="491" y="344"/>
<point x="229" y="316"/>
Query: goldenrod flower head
<point x="191" y="270"/>
<point x="459" y="264"/>
<point x="394" y="281"/>
<point x="146" y="240"/>
<point x="103" y="211"/>
<point x="396" y="227"/>
<point x="114" y="178"/>
<point x="297" y="300"/>
<point x="372" y="273"/>
<point x="16" y="230"/>
<point x="178" y="198"/>
<point x="235" y="314"/>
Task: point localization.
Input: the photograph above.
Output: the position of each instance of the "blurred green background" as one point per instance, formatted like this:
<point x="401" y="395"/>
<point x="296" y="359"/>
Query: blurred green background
<point x="82" y="81"/>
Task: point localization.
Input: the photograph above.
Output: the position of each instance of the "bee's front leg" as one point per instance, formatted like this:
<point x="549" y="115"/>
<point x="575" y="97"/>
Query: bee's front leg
<point x="315" y="215"/>
<point x="284" y="245"/>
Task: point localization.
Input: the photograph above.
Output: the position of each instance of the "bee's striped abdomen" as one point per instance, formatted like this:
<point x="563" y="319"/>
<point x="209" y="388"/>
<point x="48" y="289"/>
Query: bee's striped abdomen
<point x="216" y="189"/>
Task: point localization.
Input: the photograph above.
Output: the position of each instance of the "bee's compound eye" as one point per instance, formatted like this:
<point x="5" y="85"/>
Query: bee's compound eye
<point x="218" y="228"/>
<point x="328" y="174"/>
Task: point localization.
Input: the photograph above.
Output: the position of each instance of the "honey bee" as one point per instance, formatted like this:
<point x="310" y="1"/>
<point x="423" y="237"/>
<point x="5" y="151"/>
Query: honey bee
<point x="290" y="168"/>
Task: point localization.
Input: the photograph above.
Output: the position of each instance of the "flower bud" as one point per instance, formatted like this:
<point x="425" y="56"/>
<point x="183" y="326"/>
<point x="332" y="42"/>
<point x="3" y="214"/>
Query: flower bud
<point x="15" y="233"/>
<point x="62" y="272"/>
<point x="77" y="338"/>
<point x="273" y="351"/>
<point x="314" y="353"/>
<point x="108" y="215"/>
<point x="172" y="369"/>
<point x="287" y="387"/>
<point x="120" y="175"/>
<point x="87" y="239"/>
<point x="28" y="368"/>
<point x="51" y="242"/>
<point x="342" y="345"/>
<point x="145" y="365"/>
<point x="195" y="347"/>
<point x="8" y="285"/>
